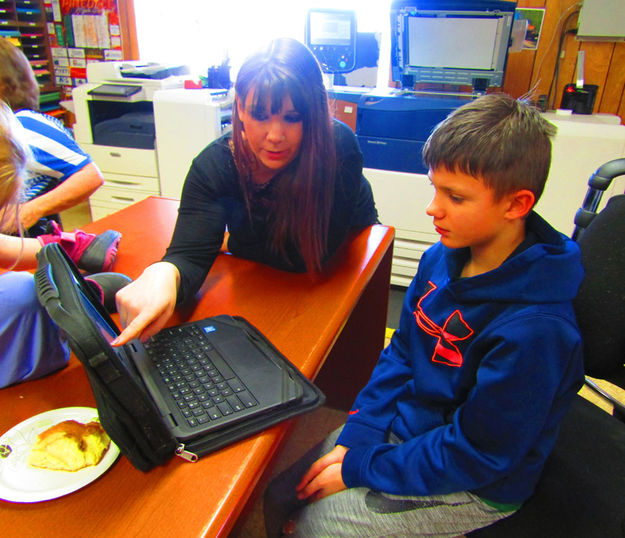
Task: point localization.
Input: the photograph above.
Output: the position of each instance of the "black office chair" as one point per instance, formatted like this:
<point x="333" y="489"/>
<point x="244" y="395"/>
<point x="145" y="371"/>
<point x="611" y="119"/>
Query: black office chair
<point x="581" y="493"/>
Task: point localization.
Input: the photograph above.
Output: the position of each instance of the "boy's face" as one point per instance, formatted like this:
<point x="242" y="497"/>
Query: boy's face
<point x="464" y="210"/>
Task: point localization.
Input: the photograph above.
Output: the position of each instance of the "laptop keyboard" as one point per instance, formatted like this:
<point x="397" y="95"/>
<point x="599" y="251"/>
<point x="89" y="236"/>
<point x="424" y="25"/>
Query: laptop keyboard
<point x="199" y="380"/>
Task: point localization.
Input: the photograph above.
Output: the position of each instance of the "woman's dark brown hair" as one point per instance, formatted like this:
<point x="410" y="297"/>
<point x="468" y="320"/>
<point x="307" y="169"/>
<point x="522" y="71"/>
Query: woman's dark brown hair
<point x="305" y="188"/>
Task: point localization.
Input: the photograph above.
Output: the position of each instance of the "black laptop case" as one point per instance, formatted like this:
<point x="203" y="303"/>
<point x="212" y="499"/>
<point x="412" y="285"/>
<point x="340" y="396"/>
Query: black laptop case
<point x="126" y="408"/>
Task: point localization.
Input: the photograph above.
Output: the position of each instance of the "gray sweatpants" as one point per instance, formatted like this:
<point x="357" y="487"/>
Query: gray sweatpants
<point x="364" y="512"/>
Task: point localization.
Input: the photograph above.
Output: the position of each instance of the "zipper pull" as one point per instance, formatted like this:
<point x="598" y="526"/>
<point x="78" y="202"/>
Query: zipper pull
<point x="185" y="454"/>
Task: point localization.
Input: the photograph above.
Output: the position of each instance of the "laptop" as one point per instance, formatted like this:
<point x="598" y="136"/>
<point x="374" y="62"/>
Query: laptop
<point x="211" y="381"/>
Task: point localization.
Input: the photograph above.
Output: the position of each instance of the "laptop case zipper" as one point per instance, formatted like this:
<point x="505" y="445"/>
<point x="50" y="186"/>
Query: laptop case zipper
<point x="186" y="454"/>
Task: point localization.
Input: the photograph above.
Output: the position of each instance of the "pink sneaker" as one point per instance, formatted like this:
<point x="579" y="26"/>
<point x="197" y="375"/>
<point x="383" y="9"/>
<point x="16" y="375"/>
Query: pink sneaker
<point x="92" y="253"/>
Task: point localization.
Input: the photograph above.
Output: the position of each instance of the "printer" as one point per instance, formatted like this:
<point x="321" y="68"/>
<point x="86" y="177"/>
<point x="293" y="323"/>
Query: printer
<point x="143" y="128"/>
<point x="392" y="127"/>
<point x="115" y="107"/>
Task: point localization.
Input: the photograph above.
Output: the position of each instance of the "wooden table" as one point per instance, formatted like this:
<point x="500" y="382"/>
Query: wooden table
<point x="337" y="318"/>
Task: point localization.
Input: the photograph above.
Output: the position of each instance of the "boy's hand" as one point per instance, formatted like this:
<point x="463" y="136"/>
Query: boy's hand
<point x="324" y="476"/>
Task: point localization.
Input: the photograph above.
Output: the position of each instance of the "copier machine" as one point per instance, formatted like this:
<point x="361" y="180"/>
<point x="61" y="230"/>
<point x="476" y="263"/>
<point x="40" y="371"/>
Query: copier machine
<point x="392" y="126"/>
<point x="143" y="128"/>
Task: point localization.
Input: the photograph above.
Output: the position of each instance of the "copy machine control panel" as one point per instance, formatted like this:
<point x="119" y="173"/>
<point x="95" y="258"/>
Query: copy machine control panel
<point x="331" y="36"/>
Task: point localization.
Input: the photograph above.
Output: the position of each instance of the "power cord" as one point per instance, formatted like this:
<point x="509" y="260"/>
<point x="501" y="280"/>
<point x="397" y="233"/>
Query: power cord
<point x="556" y="70"/>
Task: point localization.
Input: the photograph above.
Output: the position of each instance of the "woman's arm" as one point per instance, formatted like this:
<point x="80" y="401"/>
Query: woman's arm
<point x="206" y="201"/>
<point x="145" y="305"/>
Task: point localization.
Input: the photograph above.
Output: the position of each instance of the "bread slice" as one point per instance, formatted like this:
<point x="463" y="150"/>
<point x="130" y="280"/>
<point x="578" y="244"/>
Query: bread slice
<point x="69" y="446"/>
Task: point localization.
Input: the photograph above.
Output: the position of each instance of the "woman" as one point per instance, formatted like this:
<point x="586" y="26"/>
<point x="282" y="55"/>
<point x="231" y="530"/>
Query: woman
<point x="287" y="183"/>
<point x="30" y="343"/>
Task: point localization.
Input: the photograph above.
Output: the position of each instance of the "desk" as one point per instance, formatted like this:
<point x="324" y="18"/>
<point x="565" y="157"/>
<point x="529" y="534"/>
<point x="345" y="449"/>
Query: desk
<point x="337" y="318"/>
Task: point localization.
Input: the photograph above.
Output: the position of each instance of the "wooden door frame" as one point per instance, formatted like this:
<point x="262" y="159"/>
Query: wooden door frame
<point x="128" y="28"/>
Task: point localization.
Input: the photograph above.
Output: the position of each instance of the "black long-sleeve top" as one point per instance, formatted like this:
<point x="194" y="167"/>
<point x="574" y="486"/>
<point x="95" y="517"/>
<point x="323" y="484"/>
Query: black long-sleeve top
<point x="212" y="199"/>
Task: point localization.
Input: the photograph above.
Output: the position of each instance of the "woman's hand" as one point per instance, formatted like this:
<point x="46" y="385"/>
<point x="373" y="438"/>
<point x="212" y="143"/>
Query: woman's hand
<point x="324" y="476"/>
<point x="146" y="304"/>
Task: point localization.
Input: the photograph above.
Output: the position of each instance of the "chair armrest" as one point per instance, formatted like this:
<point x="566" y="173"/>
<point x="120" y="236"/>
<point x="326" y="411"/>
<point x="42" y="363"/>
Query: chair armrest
<point x="619" y="407"/>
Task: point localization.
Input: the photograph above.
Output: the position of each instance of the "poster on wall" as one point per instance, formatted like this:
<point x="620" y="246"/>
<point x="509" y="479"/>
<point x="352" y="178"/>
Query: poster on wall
<point x="80" y="32"/>
<point x="533" y="19"/>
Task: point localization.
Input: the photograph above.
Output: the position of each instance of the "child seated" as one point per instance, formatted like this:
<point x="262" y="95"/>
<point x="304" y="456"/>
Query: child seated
<point x="453" y="429"/>
<point x="31" y="345"/>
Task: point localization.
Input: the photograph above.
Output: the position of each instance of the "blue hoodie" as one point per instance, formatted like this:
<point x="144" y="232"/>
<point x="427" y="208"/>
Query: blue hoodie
<point x="476" y="379"/>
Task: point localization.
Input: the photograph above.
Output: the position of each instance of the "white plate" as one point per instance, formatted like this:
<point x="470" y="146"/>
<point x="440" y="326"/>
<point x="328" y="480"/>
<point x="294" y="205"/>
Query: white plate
<point x="19" y="482"/>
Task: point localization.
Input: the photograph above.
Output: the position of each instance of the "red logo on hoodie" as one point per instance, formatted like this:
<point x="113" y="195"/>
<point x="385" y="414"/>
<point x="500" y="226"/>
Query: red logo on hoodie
<point x="454" y="329"/>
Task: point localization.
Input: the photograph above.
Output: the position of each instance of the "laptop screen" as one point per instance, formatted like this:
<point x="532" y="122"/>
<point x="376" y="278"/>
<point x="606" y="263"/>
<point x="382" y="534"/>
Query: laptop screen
<point x="103" y="326"/>
<point x="93" y="306"/>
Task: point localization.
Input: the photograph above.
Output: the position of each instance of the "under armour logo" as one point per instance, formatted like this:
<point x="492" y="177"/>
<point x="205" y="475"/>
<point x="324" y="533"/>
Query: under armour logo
<point x="454" y="329"/>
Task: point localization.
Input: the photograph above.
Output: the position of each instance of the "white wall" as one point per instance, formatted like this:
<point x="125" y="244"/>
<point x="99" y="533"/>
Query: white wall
<point x="202" y="33"/>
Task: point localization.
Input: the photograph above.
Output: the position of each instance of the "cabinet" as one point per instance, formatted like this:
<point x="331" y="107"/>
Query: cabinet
<point x="130" y="175"/>
<point x="401" y="199"/>
<point x="24" y="23"/>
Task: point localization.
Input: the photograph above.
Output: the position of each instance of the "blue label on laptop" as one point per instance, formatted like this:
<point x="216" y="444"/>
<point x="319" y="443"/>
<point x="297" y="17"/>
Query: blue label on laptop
<point x="209" y="329"/>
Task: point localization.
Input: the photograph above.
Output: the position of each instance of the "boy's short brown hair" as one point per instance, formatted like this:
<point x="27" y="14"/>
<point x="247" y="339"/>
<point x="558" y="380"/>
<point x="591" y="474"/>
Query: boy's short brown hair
<point x="504" y="141"/>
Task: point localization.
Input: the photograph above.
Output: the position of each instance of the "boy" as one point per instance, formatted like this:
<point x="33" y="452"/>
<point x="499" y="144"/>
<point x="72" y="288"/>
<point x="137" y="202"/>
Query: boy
<point x="463" y="407"/>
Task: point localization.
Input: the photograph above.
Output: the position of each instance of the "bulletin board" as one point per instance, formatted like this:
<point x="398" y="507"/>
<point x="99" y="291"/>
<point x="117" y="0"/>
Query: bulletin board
<point x="80" y="32"/>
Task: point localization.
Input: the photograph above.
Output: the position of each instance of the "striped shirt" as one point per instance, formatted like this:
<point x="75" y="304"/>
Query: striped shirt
<point x="56" y="155"/>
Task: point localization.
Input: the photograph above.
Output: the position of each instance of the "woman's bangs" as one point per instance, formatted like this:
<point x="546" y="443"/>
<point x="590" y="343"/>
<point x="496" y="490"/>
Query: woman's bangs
<point x="272" y="90"/>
